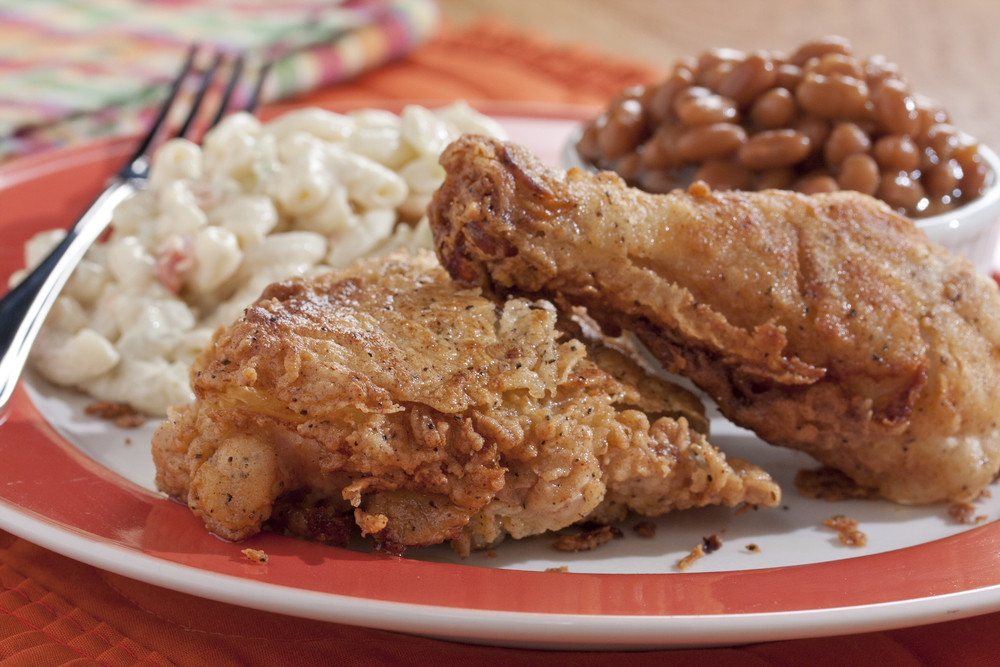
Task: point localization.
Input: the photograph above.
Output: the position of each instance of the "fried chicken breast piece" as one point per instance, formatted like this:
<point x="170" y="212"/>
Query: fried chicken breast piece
<point x="424" y="412"/>
<point x="824" y="323"/>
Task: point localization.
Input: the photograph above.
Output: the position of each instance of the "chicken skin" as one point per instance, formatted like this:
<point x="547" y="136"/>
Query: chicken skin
<point x="424" y="413"/>
<point x="823" y="323"/>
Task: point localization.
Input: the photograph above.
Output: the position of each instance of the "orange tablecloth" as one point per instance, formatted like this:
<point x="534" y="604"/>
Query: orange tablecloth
<point x="54" y="610"/>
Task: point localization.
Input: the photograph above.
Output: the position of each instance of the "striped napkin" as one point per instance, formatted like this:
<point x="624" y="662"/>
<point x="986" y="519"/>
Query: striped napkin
<point x="73" y="70"/>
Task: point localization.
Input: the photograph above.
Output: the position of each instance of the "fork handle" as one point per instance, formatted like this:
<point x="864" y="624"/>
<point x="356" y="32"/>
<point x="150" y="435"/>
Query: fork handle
<point x="24" y="308"/>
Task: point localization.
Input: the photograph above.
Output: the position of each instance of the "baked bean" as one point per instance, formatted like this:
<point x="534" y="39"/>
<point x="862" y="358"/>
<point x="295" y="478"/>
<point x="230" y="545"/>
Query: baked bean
<point x="900" y="191"/>
<point x="942" y="180"/>
<point x="878" y="69"/>
<point x="713" y="76"/>
<point x="815" y="128"/>
<point x="623" y="130"/>
<point x="588" y="146"/>
<point x="714" y="65"/>
<point x="845" y="139"/>
<point x="819" y="119"/>
<point x="628" y="165"/>
<point x="748" y="79"/>
<point x="789" y="76"/>
<point x="815" y="183"/>
<point x="894" y="108"/>
<point x="703" y="142"/>
<point x="660" y="102"/>
<point x="928" y="159"/>
<point x="707" y="109"/>
<point x="660" y="181"/>
<point x="833" y="96"/>
<point x="724" y="175"/>
<point x="660" y="151"/>
<point x="836" y="63"/>
<point x="896" y="153"/>
<point x="773" y="109"/>
<point x="929" y="114"/>
<point x="942" y="140"/>
<point x="774" y="179"/>
<point x="685" y="95"/>
<point x="711" y="59"/>
<point x="859" y="172"/>
<point x="974" y="170"/>
<point x="820" y="47"/>
<point x="771" y="149"/>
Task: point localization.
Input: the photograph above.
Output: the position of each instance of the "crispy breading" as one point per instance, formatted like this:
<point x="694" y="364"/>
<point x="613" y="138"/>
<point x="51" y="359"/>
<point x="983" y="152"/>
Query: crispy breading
<point x="824" y="323"/>
<point x="429" y="413"/>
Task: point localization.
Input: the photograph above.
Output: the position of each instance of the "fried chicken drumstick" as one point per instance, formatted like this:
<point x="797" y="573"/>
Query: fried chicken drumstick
<point x="389" y="396"/>
<point x="824" y="323"/>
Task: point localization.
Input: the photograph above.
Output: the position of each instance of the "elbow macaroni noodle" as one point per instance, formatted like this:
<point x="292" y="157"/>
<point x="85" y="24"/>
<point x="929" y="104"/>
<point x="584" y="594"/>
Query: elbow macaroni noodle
<point x="255" y="203"/>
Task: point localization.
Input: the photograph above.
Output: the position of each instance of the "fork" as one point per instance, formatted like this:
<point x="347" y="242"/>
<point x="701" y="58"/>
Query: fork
<point x="24" y="308"/>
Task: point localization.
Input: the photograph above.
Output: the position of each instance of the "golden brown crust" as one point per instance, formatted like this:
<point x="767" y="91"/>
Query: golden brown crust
<point x="427" y="413"/>
<point x="826" y="323"/>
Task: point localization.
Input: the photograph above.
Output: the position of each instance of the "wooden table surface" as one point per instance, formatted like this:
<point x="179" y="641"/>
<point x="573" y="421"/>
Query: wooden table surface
<point x="949" y="51"/>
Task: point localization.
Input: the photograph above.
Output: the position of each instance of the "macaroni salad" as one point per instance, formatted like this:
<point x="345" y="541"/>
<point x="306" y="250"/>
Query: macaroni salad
<point x="255" y="203"/>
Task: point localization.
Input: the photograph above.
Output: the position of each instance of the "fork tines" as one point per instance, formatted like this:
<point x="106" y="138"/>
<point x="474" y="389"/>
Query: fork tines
<point x="207" y="86"/>
<point x="213" y="82"/>
<point x="210" y="84"/>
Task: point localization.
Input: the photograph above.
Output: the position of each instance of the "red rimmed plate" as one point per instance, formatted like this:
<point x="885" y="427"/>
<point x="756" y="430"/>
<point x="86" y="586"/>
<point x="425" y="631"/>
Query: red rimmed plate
<point x="84" y="489"/>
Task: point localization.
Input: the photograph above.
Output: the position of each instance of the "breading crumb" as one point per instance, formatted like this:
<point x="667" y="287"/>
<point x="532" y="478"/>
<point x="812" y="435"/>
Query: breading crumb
<point x="255" y="555"/>
<point x="121" y="415"/>
<point x="847" y="530"/>
<point x="696" y="554"/>
<point x="708" y="544"/>
<point x="829" y="484"/>
<point x="711" y="543"/>
<point x="645" y="529"/>
<point x="589" y="539"/>
<point x="561" y="568"/>
<point x="965" y="513"/>
<point x="753" y="548"/>
<point x="699" y="189"/>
